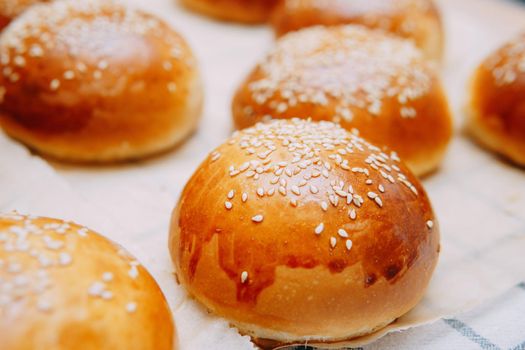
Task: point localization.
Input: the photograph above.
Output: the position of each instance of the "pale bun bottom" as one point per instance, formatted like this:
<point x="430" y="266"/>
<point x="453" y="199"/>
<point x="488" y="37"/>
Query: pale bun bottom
<point x="494" y="140"/>
<point x="429" y="164"/>
<point x="271" y="339"/>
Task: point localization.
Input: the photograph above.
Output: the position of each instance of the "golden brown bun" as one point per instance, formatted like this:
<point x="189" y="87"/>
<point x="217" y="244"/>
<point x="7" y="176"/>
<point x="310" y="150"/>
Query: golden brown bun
<point x="9" y="9"/>
<point x="417" y="20"/>
<point x="360" y="78"/>
<point x="94" y="81"/>
<point x="253" y="235"/>
<point x="497" y="102"/>
<point x="243" y="11"/>
<point x="64" y="287"/>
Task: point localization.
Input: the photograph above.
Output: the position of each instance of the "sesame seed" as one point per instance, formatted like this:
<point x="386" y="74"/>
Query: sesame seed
<point x="333" y="242"/>
<point x="36" y="51"/>
<point x="133" y="272"/>
<point x="14" y="268"/>
<point x="352" y="214"/>
<point x="102" y="65"/>
<point x="43" y="305"/>
<point x="107" y="295"/>
<point x="83" y="232"/>
<point x="44" y="261"/>
<point x="131" y="307"/>
<point x="244" y="197"/>
<point x="81" y="67"/>
<point x="107" y="277"/>
<point x="96" y="289"/>
<point x="341" y="193"/>
<point x="319" y="229"/>
<point x="69" y="75"/>
<point x="215" y="156"/>
<point x="341" y="232"/>
<point x="244" y="277"/>
<point x="258" y="218"/>
<point x="231" y="194"/>
<point x="348" y="244"/>
<point x="167" y="65"/>
<point x="20" y="61"/>
<point x="54" y="85"/>
<point x="64" y="259"/>
<point x="52" y="244"/>
<point x="430" y="224"/>
<point x="228" y="205"/>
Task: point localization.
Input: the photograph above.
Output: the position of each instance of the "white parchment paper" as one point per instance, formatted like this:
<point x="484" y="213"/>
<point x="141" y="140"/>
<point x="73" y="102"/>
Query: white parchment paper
<point x="479" y="199"/>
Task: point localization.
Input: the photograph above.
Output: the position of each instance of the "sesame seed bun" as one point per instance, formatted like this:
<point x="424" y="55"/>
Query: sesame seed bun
<point x="94" y="81"/>
<point x="359" y="78"/>
<point x="9" y="9"/>
<point x="496" y="112"/>
<point x="417" y="20"/>
<point x="301" y="231"/>
<point x="243" y="11"/>
<point x="63" y="286"/>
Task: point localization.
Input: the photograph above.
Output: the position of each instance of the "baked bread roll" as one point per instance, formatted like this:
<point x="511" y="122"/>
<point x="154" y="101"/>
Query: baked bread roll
<point x="497" y="101"/>
<point x="63" y="287"/>
<point x="9" y="9"/>
<point x="302" y="231"/>
<point x="417" y="20"/>
<point x="243" y="11"/>
<point x="94" y="81"/>
<point x="360" y="78"/>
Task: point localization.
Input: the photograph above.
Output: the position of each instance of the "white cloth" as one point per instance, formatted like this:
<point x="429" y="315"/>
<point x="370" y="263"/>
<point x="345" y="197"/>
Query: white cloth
<point x="474" y="194"/>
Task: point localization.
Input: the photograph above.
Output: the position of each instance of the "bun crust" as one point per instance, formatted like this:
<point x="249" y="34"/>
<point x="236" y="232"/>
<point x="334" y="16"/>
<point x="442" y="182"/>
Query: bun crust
<point x="9" y="9"/>
<point x="360" y="78"/>
<point x="243" y="11"/>
<point x="417" y="20"/>
<point x="69" y="94"/>
<point x="497" y="102"/>
<point x="63" y="286"/>
<point x="297" y="231"/>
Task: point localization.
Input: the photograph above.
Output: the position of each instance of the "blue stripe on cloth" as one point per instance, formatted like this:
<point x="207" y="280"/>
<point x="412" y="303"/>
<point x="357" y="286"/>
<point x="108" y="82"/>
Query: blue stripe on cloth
<point x="519" y="347"/>
<point x="469" y="333"/>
